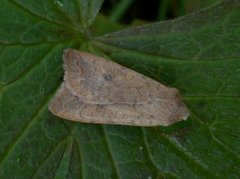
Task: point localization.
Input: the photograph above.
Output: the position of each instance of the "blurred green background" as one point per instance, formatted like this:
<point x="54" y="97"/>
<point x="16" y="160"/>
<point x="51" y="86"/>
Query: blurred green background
<point x="137" y="11"/>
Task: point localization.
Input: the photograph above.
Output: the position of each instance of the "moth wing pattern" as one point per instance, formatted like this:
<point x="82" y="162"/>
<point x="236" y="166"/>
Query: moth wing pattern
<point x="96" y="79"/>
<point x="96" y="90"/>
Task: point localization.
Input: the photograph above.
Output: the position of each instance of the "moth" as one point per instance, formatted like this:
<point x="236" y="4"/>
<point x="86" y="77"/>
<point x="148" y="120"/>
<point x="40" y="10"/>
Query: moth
<point x="96" y="90"/>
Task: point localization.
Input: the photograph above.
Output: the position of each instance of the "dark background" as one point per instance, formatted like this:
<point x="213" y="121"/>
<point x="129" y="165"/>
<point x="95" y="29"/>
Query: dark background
<point x="128" y="11"/>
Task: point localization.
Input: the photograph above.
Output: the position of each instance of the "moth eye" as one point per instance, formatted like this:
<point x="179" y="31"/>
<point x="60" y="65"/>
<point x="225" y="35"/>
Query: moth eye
<point x="108" y="77"/>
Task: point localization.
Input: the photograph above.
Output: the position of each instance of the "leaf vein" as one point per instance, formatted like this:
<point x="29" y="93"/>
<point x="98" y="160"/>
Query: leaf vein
<point x="188" y="158"/>
<point x="27" y="70"/>
<point x="104" y="46"/>
<point x="40" y="17"/>
<point x="80" y="157"/>
<point x="49" y="155"/>
<point x="150" y="156"/>
<point x="110" y="151"/>
<point x="24" y="131"/>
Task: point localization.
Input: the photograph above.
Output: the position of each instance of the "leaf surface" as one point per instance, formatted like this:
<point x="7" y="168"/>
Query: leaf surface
<point x="198" y="54"/>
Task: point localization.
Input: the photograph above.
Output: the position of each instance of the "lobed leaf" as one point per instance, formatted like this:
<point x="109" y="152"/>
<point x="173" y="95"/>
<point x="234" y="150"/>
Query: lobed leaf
<point x="198" y="54"/>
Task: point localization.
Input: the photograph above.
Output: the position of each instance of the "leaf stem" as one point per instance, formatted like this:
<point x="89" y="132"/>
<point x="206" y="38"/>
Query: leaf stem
<point x="120" y="9"/>
<point x="182" y="7"/>
<point x="163" y="9"/>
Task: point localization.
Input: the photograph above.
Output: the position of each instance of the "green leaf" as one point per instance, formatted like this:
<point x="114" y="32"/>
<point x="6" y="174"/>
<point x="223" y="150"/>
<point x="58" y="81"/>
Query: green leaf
<point x="198" y="54"/>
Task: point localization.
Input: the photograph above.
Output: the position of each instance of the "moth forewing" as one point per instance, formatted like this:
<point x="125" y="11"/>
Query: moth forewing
<point x="96" y="90"/>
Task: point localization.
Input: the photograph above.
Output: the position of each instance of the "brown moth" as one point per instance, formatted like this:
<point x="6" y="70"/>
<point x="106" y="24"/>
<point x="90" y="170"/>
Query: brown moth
<point x="96" y="90"/>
